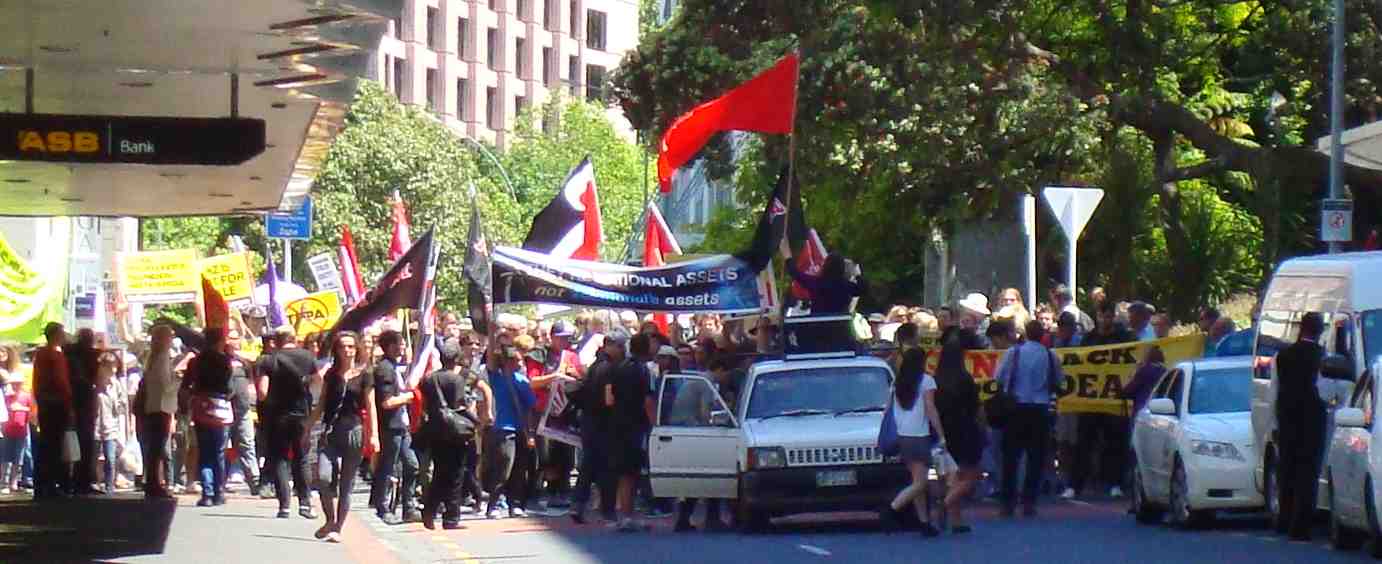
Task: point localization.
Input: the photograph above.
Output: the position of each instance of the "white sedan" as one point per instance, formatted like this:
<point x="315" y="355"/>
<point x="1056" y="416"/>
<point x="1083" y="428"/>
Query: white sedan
<point x="1193" y="443"/>
<point x="1350" y="464"/>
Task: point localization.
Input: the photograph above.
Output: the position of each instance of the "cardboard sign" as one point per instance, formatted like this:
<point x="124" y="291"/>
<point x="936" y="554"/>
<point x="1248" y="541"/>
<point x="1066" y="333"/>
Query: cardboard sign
<point x="160" y="277"/>
<point x="229" y="275"/>
<point x="314" y="313"/>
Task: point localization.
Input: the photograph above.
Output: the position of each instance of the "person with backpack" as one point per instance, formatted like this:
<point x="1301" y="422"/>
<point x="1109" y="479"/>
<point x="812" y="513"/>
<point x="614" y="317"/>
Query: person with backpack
<point x="349" y="415"/>
<point x="450" y="427"/>
<point x="1028" y="377"/>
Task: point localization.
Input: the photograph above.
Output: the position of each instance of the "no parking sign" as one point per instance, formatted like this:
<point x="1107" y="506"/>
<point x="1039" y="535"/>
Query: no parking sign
<point x="1336" y="220"/>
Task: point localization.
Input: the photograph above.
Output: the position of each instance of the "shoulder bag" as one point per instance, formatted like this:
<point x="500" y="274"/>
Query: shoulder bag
<point x="455" y="425"/>
<point x="1003" y="403"/>
<point x="888" y="444"/>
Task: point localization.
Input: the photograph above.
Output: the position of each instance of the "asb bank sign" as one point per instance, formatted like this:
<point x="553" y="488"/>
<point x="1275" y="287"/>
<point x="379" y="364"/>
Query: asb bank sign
<point x="130" y="139"/>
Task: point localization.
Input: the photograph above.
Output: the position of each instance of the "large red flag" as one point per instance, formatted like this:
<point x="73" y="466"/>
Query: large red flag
<point x="401" y="238"/>
<point x="766" y="103"/>
<point x="350" y="267"/>
<point x="658" y="242"/>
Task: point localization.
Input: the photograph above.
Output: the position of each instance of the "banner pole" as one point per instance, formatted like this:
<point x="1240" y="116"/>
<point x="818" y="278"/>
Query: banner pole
<point x="791" y="185"/>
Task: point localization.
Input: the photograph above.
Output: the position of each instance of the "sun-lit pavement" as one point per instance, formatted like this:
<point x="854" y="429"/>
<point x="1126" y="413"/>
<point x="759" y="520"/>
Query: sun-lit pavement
<point x="127" y="529"/>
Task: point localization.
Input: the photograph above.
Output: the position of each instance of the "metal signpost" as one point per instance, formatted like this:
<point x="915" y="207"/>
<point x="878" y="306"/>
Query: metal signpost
<point x="1073" y="207"/>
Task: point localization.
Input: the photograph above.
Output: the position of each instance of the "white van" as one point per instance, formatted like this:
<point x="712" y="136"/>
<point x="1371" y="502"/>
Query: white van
<point x="1347" y="290"/>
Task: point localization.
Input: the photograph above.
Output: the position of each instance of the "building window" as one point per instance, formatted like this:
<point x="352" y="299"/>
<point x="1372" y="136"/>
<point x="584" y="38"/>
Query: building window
<point x="432" y="89"/>
<point x="549" y="15"/>
<point x="396" y="28"/>
<point x="573" y="73"/>
<point x="523" y="10"/>
<point x="491" y="109"/>
<point x="494" y="5"/>
<point x="492" y="47"/>
<point x="433" y="34"/>
<point x="462" y="99"/>
<point x="595" y="30"/>
<point x="387" y="77"/>
<point x="547" y="66"/>
<point x="399" y="69"/>
<point x="520" y="57"/>
<point x="463" y="38"/>
<point x="520" y="103"/>
<point x="575" y="20"/>
<point x="594" y="82"/>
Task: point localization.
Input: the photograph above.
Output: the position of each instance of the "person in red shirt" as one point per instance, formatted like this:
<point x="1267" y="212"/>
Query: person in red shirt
<point x="56" y="414"/>
<point x="15" y="432"/>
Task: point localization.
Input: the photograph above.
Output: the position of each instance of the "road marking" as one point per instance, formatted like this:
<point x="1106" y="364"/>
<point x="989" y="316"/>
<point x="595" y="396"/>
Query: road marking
<point x="816" y="550"/>
<point x="1078" y="502"/>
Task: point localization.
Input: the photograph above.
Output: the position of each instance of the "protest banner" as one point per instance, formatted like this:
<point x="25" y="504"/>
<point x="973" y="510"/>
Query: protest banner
<point x="314" y="313"/>
<point x="1094" y="376"/>
<point x="557" y="423"/>
<point x="229" y="275"/>
<point x="160" y="277"/>
<point x="718" y="284"/>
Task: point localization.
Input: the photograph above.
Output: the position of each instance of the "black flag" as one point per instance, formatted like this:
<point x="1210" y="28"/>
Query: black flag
<point x="402" y="287"/>
<point x="477" y="271"/>
<point x="771" y="225"/>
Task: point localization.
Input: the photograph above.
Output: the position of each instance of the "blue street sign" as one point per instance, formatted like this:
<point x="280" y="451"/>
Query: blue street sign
<point x="295" y="225"/>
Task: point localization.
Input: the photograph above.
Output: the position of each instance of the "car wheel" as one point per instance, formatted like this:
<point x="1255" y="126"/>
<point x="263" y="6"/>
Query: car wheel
<point x="1340" y="537"/>
<point x="1182" y="515"/>
<point x="1272" y="494"/>
<point x="1144" y="510"/>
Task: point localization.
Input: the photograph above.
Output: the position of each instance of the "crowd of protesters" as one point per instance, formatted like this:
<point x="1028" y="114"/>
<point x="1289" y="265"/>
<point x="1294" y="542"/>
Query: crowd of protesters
<point x="304" y="415"/>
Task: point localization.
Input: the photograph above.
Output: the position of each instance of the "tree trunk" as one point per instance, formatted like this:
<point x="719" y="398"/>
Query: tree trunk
<point x="1179" y="249"/>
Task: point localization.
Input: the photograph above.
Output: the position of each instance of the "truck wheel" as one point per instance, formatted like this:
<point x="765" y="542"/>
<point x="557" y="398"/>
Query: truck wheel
<point x="1146" y="512"/>
<point x="751" y="521"/>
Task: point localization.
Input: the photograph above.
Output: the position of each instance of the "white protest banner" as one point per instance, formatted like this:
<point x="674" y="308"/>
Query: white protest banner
<point x="324" y="271"/>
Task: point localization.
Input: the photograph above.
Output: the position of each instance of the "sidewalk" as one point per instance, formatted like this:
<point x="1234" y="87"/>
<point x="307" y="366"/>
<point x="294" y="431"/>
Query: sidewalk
<point x="126" y="528"/>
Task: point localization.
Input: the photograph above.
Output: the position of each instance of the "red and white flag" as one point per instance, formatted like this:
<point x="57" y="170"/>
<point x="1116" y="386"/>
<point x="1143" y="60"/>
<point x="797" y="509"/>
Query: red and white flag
<point x="350" y="267"/>
<point x="810" y="260"/>
<point x="569" y="227"/>
<point x="402" y="239"/>
<point x="658" y="242"/>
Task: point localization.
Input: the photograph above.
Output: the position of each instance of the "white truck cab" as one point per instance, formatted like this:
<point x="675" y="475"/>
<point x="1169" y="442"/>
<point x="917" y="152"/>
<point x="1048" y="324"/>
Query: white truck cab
<point x="802" y="437"/>
<point x="1344" y="289"/>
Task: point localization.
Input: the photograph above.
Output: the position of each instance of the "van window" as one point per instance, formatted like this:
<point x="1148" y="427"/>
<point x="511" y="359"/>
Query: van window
<point x="1275" y="331"/>
<point x="1372" y="335"/>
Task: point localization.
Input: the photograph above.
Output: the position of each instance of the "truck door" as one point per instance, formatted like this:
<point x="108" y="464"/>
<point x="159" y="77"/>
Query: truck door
<point x="693" y="448"/>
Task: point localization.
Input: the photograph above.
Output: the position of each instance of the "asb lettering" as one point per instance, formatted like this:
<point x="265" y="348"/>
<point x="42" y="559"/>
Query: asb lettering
<point x="59" y="141"/>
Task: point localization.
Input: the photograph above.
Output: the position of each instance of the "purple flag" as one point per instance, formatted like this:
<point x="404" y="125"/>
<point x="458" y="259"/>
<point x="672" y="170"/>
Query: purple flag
<point x="276" y="318"/>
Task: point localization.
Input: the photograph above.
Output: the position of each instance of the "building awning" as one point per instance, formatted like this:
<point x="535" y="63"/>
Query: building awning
<point x="296" y="63"/>
<point x="1362" y="145"/>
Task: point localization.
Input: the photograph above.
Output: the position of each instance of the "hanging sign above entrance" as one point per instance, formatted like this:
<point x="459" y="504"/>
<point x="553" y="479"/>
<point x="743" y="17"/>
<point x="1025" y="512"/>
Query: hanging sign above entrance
<point x="129" y="139"/>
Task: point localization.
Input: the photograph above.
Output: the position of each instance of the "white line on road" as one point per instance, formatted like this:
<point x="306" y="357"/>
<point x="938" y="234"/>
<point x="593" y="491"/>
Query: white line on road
<point x="1078" y="502"/>
<point x="816" y="550"/>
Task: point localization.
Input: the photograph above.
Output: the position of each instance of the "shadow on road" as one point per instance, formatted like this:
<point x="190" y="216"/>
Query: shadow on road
<point x="83" y="529"/>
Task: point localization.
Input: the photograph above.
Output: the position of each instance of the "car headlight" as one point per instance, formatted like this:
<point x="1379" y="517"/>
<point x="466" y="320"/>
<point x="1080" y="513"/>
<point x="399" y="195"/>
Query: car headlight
<point x="767" y="457"/>
<point x="1215" y="449"/>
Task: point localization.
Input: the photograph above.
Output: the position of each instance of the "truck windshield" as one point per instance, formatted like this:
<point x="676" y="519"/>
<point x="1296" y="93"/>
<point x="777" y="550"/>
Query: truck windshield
<point x="827" y="390"/>
<point x="1222" y="390"/>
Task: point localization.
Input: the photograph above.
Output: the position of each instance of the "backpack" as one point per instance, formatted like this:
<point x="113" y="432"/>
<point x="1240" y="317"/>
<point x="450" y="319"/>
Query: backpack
<point x="453" y="425"/>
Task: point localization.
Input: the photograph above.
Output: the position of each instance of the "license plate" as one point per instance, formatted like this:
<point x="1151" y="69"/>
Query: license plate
<point x="834" y="478"/>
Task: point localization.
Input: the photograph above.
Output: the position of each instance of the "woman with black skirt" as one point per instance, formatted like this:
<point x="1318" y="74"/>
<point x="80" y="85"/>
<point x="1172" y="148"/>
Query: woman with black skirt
<point x="347" y="411"/>
<point x="957" y="399"/>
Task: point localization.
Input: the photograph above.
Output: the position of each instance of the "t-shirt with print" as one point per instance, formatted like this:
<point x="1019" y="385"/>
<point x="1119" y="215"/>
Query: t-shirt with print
<point x="912" y="422"/>
<point x="20" y="407"/>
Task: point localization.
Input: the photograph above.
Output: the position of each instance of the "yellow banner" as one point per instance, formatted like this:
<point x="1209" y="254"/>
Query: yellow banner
<point x="1094" y="376"/>
<point x="229" y="275"/>
<point x="314" y="313"/>
<point x="160" y="277"/>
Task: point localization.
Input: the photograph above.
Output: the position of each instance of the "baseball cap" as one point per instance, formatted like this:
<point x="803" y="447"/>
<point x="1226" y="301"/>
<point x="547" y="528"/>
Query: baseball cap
<point x="562" y="329"/>
<point x="666" y="350"/>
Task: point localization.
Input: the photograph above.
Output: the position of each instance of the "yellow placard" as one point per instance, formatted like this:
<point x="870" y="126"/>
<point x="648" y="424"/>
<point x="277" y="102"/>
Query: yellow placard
<point x="160" y="277"/>
<point x="229" y="275"/>
<point x="1094" y="376"/>
<point x="314" y="313"/>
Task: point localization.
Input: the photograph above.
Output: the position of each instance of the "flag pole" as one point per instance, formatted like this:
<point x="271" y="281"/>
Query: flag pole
<point x="791" y="184"/>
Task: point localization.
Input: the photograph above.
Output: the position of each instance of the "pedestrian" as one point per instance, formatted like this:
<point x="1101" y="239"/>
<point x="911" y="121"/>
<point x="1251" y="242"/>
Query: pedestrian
<point x="1148" y="373"/>
<point x="594" y="420"/>
<point x="446" y="389"/>
<point x="1300" y="423"/>
<point x="919" y="428"/>
<point x="56" y="414"/>
<point x="1161" y="325"/>
<point x="1031" y="374"/>
<point x="565" y="365"/>
<point x="81" y="362"/>
<point x="112" y="407"/>
<point x="626" y="397"/>
<point x="209" y="374"/>
<point x="1011" y="307"/>
<point x="1001" y="334"/>
<point x="696" y="408"/>
<point x="14" y="434"/>
<point x="290" y="371"/>
<point x="1140" y="321"/>
<point x="347" y="411"/>
<point x="507" y="444"/>
<point x="1208" y="316"/>
<point x="160" y="402"/>
<point x="1101" y="435"/>
<point x="392" y="396"/>
<point x="834" y="289"/>
<point x="973" y="309"/>
<point x="242" y="399"/>
<point x="957" y="401"/>
<point x="1063" y="300"/>
<point x="264" y="417"/>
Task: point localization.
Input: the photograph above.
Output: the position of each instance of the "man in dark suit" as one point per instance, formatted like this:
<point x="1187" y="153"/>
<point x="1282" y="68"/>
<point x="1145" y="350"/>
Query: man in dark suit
<point x="1300" y="422"/>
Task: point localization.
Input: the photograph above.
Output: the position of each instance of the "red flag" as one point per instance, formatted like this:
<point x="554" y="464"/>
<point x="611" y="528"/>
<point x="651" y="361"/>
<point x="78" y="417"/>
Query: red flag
<point x="401" y="238"/>
<point x="658" y="242"/>
<point x="766" y="103"/>
<point x="350" y="267"/>
<point x="810" y="260"/>
<point x="215" y="305"/>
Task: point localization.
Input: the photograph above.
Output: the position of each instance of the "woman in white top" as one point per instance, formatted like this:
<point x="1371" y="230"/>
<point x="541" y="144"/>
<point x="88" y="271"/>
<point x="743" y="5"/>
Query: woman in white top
<point x="112" y="407"/>
<point x="914" y="406"/>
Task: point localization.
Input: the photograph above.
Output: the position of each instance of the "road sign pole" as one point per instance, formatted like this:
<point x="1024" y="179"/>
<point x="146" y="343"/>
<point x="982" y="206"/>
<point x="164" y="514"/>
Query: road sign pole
<point x="1028" y="204"/>
<point x="288" y="260"/>
<point x="1336" y="112"/>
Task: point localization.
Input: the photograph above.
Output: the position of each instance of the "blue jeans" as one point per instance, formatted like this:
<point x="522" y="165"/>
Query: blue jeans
<point x="211" y="460"/>
<point x="108" y="449"/>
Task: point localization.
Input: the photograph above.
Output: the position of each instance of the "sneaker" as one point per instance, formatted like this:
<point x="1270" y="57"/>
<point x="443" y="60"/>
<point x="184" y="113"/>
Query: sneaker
<point x="412" y="516"/>
<point x="284" y="514"/>
<point x="205" y="502"/>
<point x="628" y="525"/>
<point x="1115" y="492"/>
<point x="390" y="519"/>
<point x="493" y="513"/>
<point x="517" y="512"/>
<point x="333" y="537"/>
<point x="306" y="512"/>
<point x="1069" y="493"/>
<point x="5" y="491"/>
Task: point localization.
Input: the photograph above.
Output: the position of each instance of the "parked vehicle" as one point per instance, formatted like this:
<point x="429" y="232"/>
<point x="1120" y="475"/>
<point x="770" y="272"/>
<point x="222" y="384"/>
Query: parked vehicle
<point x="1344" y="289"/>
<point x="1350" y="467"/>
<point x="1194" y="444"/>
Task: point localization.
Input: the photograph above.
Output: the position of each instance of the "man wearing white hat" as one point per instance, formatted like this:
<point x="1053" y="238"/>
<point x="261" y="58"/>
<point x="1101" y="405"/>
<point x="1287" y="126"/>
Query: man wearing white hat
<point x="974" y="308"/>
